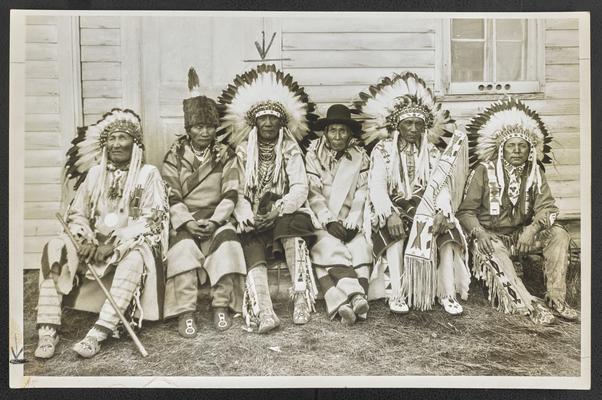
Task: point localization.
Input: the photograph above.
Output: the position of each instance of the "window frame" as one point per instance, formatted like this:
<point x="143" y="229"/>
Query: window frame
<point x="535" y="32"/>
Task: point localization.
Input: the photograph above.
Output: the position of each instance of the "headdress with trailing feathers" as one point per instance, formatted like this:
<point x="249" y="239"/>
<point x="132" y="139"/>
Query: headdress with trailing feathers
<point x="260" y="91"/>
<point x="264" y="90"/>
<point x="501" y="121"/>
<point x="391" y="101"/>
<point x="89" y="149"/>
<point x="403" y="96"/>
<point x="439" y="174"/>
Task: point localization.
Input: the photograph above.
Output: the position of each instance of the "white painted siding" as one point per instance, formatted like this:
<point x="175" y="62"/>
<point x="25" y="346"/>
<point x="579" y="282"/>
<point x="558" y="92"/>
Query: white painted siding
<point x="101" y="62"/>
<point x="335" y="59"/>
<point x="43" y="142"/>
<point x="143" y="62"/>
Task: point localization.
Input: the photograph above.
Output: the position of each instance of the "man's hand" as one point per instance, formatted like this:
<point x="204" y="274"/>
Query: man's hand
<point x="265" y="221"/>
<point x="208" y="227"/>
<point x="337" y="230"/>
<point x="87" y="252"/>
<point x="441" y="224"/>
<point x="103" y="252"/>
<point x="395" y="226"/>
<point x="351" y="233"/>
<point x="194" y="229"/>
<point x="526" y="240"/>
<point x="485" y="242"/>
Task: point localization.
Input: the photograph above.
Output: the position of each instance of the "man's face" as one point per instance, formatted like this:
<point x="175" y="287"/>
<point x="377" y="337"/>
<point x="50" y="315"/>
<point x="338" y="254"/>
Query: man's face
<point x="411" y="129"/>
<point x="202" y="136"/>
<point x="119" y="147"/>
<point x="516" y="151"/>
<point x="338" y="136"/>
<point x="268" y="127"/>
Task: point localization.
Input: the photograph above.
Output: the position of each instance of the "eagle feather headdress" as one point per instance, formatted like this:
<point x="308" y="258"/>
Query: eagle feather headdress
<point x="88" y="147"/>
<point x="264" y="90"/>
<point x="405" y="95"/>
<point x="501" y="121"/>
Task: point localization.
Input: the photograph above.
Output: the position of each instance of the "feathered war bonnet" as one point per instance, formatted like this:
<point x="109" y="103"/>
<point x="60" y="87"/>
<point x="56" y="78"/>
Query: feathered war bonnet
<point x="260" y="91"/>
<point x="403" y="96"/>
<point x="264" y="90"/>
<point x="198" y="110"/>
<point x="504" y="120"/>
<point x="391" y="101"/>
<point x="89" y="149"/>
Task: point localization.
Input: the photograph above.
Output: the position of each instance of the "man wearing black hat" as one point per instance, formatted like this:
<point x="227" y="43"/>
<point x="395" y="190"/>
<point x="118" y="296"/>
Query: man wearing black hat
<point x="337" y="169"/>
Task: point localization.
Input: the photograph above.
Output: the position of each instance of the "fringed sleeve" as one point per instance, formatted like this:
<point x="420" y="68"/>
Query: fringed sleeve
<point x="178" y="210"/>
<point x="474" y="200"/>
<point x="544" y="205"/>
<point x="297" y="179"/>
<point x="317" y="201"/>
<point x="78" y="212"/>
<point x="377" y="187"/>
<point x="243" y="212"/>
<point x="354" y="219"/>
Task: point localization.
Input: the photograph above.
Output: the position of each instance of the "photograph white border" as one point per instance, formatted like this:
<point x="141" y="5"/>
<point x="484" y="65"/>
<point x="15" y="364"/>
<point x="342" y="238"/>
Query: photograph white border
<point x="16" y="230"/>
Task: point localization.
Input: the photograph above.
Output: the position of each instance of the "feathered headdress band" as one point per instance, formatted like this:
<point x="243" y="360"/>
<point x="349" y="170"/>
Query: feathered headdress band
<point x="88" y="146"/>
<point x="406" y="109"/>
<point x="260" y="91"/>
<point x="267" y="108"/>
<point x="394" y="99"/>
<point x="131" y="128"/>
<point x="503" y="120"/>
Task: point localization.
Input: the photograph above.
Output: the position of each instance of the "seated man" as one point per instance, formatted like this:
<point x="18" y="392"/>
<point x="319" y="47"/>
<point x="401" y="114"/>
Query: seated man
<point x="266" y="114"/>
<point x="203" y="190"/>
<point x="414" y="190"/>
<point x="337" y="170"/>
<point x="508" y="209"/>
<point x="119" y="218"/>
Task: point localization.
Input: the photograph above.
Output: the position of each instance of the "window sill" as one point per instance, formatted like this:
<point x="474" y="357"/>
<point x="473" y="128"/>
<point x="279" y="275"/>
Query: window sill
<point x="490" y="96"/>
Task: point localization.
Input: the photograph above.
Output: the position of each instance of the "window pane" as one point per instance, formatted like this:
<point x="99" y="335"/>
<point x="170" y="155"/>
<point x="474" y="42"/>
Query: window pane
<point x="508" y="61"/>
<point x="509" y="29"/>
<point x="468" y="29"/>
<point x="467" y="61"/>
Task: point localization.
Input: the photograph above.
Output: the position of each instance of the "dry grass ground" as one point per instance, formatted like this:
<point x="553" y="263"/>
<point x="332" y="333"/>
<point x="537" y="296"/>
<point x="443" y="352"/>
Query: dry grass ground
<point x="480" y="342"/>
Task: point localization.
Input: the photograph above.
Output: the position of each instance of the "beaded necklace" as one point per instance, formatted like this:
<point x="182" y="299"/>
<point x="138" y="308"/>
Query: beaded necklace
<point x="116" y="185"/>
<point x="267" y="158"/>
<point x="200" y="154"/>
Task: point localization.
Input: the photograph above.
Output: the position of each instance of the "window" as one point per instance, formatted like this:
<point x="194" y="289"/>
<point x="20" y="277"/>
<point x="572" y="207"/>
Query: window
<point x="493" y="56"/>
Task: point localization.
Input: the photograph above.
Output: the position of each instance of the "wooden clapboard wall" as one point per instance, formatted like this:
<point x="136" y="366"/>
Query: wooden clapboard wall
<point x="51" y="109"/>
<point x="101" y="59"/>
<point x="561" y="113"/>
<point x="336" y="58"/>
<point x="142" y="63"/>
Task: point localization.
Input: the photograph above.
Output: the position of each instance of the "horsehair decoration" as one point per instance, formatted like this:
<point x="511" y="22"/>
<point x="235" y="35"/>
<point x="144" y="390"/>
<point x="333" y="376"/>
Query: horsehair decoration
<point x="88" y="146"/>
<point x="264" y="90"/>
<point x="502" y="120"/>
<point x="402" y="96"/>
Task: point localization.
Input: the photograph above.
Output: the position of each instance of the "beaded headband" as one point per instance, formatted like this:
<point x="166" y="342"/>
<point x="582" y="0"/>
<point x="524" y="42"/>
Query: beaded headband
<point x="266" y="108"/>
<point x="128" y="127"/>
<point x="404" y="111"/>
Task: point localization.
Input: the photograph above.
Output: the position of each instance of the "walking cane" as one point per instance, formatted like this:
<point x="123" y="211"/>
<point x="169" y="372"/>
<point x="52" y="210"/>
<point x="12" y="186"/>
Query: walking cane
<point x="106" y="292"/>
